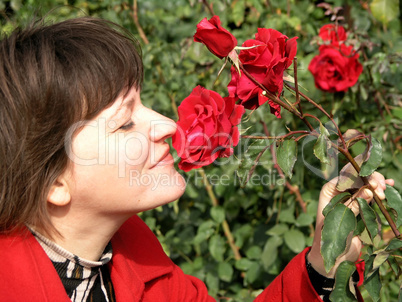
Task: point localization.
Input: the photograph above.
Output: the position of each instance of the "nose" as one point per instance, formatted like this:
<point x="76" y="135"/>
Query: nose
<point x="162" y="127"/>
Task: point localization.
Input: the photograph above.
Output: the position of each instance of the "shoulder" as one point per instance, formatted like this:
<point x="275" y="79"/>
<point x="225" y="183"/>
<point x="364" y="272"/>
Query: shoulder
<point x="24" y="262"/>
<point x="135" y="245"/>
<point x="135" y="233"/>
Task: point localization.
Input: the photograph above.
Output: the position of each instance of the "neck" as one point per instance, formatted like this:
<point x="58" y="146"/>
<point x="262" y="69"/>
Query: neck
<point x="85" y="237"/>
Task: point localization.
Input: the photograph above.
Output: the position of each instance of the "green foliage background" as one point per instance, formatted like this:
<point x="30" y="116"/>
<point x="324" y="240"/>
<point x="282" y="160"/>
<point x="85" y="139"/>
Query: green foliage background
<point x="269" y="223"/>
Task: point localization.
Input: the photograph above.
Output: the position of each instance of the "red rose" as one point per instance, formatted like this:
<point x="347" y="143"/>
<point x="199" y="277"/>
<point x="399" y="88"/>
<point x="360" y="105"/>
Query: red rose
<point x="335" y="68"/>
<point x="207" y="128"/>
<point x="218" y="40"/>
<point x="266" y="63"/>
<point x="333" y="34"/>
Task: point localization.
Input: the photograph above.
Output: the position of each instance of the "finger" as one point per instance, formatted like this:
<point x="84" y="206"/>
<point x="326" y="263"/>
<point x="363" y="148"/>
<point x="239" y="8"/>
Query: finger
<point x="390" y="182"/>
<point x="377" y="179"/>
<point x="354" y="206"/>
<point x="328" y="192"/>
<point x="367" y="194"/>
<point x="378" y="183"/>
<point x="352" y="251"/>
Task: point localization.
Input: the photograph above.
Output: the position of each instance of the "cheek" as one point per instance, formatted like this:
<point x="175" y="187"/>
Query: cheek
<point x="84" y="149"/>
<point x="132" y="149"/>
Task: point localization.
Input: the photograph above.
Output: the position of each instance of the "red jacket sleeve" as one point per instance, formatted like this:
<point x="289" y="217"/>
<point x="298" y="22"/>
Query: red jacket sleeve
<point x="292" y="285"/>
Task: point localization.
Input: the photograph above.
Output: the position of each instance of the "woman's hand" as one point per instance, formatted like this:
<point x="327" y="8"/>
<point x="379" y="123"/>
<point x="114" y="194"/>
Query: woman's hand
<point x="353" y="247"/>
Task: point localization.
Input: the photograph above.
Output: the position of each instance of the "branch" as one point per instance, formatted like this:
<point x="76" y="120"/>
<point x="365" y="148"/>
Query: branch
<point x="137" y="23"/>
<point x="293" y="189"/>
<point x="343" y="150"/>
<point x="225" y="225"/>
<point x="275" y="98"/>
<point x="277" y="137"/>
<point x="209" y="7"/>
<point x="319" y="107"/>
<point x="376" y="198"/>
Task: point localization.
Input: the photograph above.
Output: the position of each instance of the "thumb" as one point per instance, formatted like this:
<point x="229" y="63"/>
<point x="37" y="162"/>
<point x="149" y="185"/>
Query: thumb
<point x="328" y="192"/>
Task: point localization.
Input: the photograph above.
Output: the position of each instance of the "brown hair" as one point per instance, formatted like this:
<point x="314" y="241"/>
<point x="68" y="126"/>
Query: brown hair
<point x="52" y="76"/>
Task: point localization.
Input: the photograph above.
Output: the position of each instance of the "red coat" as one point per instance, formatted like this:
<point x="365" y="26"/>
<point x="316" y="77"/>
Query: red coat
<point x="140" y="271"/>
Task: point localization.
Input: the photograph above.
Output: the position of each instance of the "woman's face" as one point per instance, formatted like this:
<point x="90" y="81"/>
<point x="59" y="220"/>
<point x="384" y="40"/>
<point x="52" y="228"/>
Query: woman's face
<point x="121" y="162"/>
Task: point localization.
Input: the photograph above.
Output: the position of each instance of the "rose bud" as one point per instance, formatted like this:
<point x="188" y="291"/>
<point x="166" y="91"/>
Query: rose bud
<point x="217" y="39"/>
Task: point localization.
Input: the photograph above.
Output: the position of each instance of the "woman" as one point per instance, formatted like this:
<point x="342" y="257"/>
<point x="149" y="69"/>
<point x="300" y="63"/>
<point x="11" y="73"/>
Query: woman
<point x="76" y="146"/>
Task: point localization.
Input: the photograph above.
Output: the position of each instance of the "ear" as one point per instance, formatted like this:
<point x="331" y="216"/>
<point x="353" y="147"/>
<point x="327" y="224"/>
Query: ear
<point x="59" y="193"/>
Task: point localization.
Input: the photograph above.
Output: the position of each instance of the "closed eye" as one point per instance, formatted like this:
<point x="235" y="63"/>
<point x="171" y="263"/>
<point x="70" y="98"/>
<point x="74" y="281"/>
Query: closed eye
<point x="127" y="126"/>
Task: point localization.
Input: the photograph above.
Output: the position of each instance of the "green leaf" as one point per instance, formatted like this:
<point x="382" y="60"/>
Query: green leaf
<point x="278" y="229"/>
<point x="270" y="251"/>
<point x="212" y="281"/>
<point x="257" y="5"/>
<point x="373" y="285"/>
<point x="338" y="224"/>
<point x="348" y="176"/>
<point x="304" y="219"/>
<point x="379" y="259"/>
<point x="254" y="272"/>
<point x="374" y="160"/>
<point x="242" y="234"/>
<point x="340" y="198"/>
<point x="288" y="215"/>
<point x="225" y="271"/>
<point x="394" y="202"/>
<point x="341" y="292"/>
<point x="351" y="136"/>
<point x="217" y="247"/>
<point x="254" y="252"/>
<point x="205" y="231"/>
<point x="394" y="244"/>
<point x="295" y="240"/>
<point x="238" y="7"/>
<point x="286" y="155"/>
<point x="243" y="264"/>
<point x="250" y="159"/>
<point x="322" y="145"/>
<point x="385" y="10"/>
<point x="369" y="217"/>
<point x="360" y="227"/>
<point x="218" y="214"/>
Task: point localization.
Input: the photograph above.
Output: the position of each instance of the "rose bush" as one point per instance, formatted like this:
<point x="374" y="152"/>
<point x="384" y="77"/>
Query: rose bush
<point x="335" y="68"/>
<point x="269" y="54"/>
<point x="207" y="128"/>
<point x="217" y="39"/>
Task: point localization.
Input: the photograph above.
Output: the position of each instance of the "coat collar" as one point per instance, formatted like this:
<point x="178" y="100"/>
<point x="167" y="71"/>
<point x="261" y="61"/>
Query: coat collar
<point x="138" y="258"/>
<point x="138" y="246"/>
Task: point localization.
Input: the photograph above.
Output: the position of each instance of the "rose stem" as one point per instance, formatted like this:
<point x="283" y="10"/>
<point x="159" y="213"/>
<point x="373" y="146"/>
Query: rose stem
<point x="275" y="99"/>
<point x="344" y="150"/>
<point x="225" y="225"/>
<point x="210" y="9"/>
<point x="346" y="153"/>
<point x="137" y="23"/>
<point x="323" y="111"/>
<point x="377" y="200"/>
<point x="297" y="85"/>
<point x="293" y="189"/>
<point x="276" y="137"/>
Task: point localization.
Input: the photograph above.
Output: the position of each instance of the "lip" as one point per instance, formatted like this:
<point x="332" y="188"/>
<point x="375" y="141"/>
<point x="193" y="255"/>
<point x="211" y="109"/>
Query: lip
<point x="166" y="159"/>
